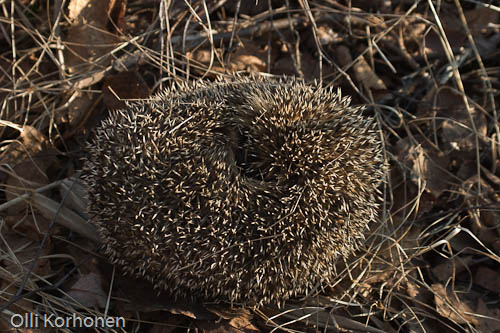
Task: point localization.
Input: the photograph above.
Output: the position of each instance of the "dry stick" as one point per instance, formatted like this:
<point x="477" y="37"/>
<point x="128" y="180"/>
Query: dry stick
<point x="61" y="215"/>
<point x="233" y="31"/>
<point x="26" y="196"/>
<point x="295" y="57"/>
<point x="64" y="216"/>
<point x="322" y="55"/>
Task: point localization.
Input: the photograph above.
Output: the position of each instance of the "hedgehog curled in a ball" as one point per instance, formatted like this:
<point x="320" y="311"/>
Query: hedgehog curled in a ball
<point x="242" y="191"/>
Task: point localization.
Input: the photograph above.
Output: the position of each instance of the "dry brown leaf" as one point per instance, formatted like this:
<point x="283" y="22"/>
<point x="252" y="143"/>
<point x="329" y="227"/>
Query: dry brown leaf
<point x="27" y="175"/>
<point x="29" y="158"/>
<point x="307" y="68"/>
<point x="226" y="326"/>
<point x="453" y="29"/>
<point x="234" y="320"/>
<point x="88" y="43"/>
<point x="87" y="291"/>
<point x="479" y="19"/>
<point x="30" y="142"/>
<point x="488" y="278"/>
<point x="168" y="324"/>
<point x="225" y="312"/>
<point x="89" y="38"/>
<point x="343" y="56"/>
<point x="199" y="60"/>
<point x="242" y="324"/>
<point x="367" y="76"/>
<point x="53" y="210"/>
<point x="449" y="267"/>
<point x="489" y="318"/>
<point x="32" y="226"/>
<point x="75" y="195"/>
<point x="457" y="132"/>
<point x="325" y="35"/>
<point x="143" y="297"/>
<point x="24" y="251"/>
<point x="428" y="165"/>
<point x="449" y="306"/>
<point x="125" y="85"/>
<point x="250" y="57"/>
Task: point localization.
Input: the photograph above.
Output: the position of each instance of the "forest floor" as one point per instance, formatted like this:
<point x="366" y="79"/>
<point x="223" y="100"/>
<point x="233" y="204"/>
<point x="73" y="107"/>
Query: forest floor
<point x="427" y="70"/>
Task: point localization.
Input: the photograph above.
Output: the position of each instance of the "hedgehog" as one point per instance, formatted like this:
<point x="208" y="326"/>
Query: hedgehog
<point x="242" y="190"/>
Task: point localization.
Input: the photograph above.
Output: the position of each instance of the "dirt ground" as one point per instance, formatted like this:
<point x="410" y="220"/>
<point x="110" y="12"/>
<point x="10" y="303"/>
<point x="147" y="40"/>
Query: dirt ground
<point x="428" y="71"/>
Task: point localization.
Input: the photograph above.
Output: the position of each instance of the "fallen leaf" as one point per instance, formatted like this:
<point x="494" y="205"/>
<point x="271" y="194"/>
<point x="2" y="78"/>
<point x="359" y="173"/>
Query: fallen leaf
<point x="343" y="56"/>
<point x="488" y="278"/>
<point x="87" y="291"/>
<point x="199" y="60"/>
<point x="250" y="57"/>
<point x="125" y="85"/>
<point x="168" y="324"/>
<point x="28" y="159"/>
<point x="229" y="313"/>
<point x="307" y="67"/>
<point x="366" y="76"/>
<point x="225" y="326"/>
<point x="32" y="226"/>
<point x="479" y="18"/>
<point x="30" y="142"/>
<point x="21" y="251"/>
<point x="325" y="34"/>
<point x="453" y="29"/>
<point x="450" y="267"/>
<point x="450" y="306"/>
<point x="428" y="165"/>
<point x="73" y="191"/>
<point x="89" y="40"/>
<point x="143" y="297"/>
<point x="457" y="131"/>
<point x="489" y="318"/>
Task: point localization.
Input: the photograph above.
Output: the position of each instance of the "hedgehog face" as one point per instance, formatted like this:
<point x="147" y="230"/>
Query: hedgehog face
<point x="240" y="191"/>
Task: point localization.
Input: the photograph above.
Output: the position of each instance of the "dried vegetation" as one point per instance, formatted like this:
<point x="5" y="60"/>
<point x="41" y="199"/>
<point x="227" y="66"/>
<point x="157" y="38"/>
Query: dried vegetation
<point x="428" y="71"/>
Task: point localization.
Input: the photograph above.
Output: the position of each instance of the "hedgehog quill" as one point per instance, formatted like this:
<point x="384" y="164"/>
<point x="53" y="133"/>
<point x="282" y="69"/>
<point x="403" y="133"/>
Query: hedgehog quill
<point x="242" y="191"/>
